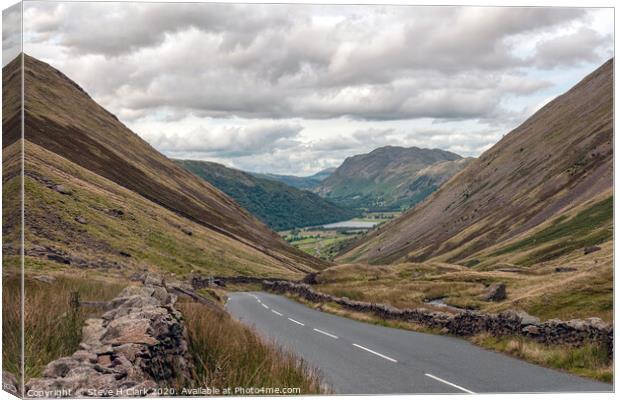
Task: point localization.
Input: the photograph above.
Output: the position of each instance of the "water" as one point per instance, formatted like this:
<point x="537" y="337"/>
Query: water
<point x="351" y="224"/>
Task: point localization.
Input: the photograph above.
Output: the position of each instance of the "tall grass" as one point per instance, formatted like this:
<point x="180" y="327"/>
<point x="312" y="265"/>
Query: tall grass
<point x="52" y="328"/>
<point x="589" y="360"/>
<point x="229" y="354"/>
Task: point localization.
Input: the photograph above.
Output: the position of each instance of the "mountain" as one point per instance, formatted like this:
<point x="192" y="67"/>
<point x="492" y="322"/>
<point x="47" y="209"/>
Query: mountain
<point x="97" y="194"/>
<point x="278" y="205"/>
<point x="300" y="182"/>
<point x="390" y="178"/>
<point x="543" y="191"/>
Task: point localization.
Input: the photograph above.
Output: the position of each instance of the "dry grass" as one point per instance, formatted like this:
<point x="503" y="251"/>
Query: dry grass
<point x="589" y="361"/>
<point x="229" y="354"/>
<point x="538" y="290"/>
<point x="52" y="329"/>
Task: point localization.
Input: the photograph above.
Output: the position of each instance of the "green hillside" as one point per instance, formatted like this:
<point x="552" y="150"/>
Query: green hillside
<point x="278" y="205"/>
<point x="300" y="182"/>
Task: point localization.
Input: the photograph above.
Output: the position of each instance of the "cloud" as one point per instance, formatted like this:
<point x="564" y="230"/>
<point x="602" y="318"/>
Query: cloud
<point x="249" y="83"/>
<point x="584" y="45"/>
<point x="231" y="141"/>
<point x="11" y="33"/>
<point x="282" y="61"/>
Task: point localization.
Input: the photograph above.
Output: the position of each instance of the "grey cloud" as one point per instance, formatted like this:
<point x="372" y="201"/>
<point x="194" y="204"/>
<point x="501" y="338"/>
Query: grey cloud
<point x="276" y="61"/>
<point x="228" y="141"/>
<point x="11" y="33"/>
<point x="582" y="46"/>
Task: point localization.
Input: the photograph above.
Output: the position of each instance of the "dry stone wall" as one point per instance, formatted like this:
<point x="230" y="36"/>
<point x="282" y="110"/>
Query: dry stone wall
<point x="136" y="347"/>
<point x="509" y="323"/>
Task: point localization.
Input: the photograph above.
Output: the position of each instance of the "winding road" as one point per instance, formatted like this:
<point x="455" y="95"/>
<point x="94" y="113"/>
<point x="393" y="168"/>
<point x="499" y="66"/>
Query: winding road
<point x="360" y="358"/>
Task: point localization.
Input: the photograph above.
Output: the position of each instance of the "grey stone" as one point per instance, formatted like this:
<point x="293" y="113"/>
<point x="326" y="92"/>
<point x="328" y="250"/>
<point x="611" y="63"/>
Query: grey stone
<point x="495" y="292"/>
<point x="590" y="249"/>
<point x="63" y="190"/>
<point x="44" y="278"/>
<point x="565" y="269"/>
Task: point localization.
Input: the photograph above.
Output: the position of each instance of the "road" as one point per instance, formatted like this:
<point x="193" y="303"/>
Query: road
<point x="360" y="358"/>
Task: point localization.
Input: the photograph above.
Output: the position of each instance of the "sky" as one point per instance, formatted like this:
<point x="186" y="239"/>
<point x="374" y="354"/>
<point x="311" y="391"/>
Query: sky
<point x="294" y="89"/>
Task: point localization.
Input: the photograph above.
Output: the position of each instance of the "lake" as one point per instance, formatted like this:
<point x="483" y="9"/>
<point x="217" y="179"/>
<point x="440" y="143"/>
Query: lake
<point x="351" y="224"/>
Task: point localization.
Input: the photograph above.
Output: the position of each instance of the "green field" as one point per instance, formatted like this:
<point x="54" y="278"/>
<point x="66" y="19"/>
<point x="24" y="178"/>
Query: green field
<point x="327" y="243"/>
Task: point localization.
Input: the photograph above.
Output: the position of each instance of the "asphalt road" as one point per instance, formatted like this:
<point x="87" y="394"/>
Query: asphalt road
<point x="359" y="358"/>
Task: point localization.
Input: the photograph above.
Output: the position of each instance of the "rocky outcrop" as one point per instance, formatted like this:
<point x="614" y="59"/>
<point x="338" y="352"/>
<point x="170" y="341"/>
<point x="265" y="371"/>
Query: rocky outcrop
<point x="136" y="347"/>
<point x="495" y="292"/>
<point x="508" y="323"/>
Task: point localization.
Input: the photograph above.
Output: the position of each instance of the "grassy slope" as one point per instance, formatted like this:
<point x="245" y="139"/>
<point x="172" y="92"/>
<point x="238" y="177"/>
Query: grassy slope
<point x="152" y="234"/>
<point x="538" y="290"/>
<point x="557" y="160"/>
<point x="278" y="205"/>
<point x="63" y="119"/>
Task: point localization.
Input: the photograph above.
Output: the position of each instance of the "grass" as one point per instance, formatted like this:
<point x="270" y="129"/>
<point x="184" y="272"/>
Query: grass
<point x="325" y="244"/>
<point x="589" y="361"/>
<point x="229" y="354"/>
<point x="52" y="328"/>
<point x="587" y="228"/>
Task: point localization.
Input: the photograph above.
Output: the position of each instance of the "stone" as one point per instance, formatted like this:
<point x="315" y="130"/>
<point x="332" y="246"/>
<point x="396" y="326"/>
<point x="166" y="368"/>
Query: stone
<point x="153" y="280"/>
<point x="92" y="331"/>
<point x="311" y="278"/>
<point x="577" y="324"/>
<point x="60" y="367"/>
<point x="44" y="278"/>
<point x="495" y="292"/>
<point x="128" y="330"/>
<point x="527" y="319"/>
<point x="187" y="231"/>
<point x="62" y="189"/>
<point x="59" y="258"/>
<point x="565" y="269"/>
<point x="84" y="356"/>
<point x="81" y="220"/>
<point x="590" y="249"/>
<point x="124" y="253"/>
<point x="531" y="330"/>
<point x="104" y="360"/>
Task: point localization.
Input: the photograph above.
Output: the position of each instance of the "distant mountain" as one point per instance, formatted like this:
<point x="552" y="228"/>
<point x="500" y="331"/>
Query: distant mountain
<point x="390" y="178"/>
<point x="280" y="206"/>
<point x="300" y="182"/>
<point x="99" y="196"/>
<point x="544" y="191"/>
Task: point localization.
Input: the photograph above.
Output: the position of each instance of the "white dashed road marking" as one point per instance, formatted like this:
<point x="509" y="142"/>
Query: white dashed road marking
<point x="275" y="312"/>
<point x="297" y="322"/>
<point x="264" y="305"/>
<point x="325" y="333"/>
<point x="375" y="353"/>
<point x="450" y="384"/>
